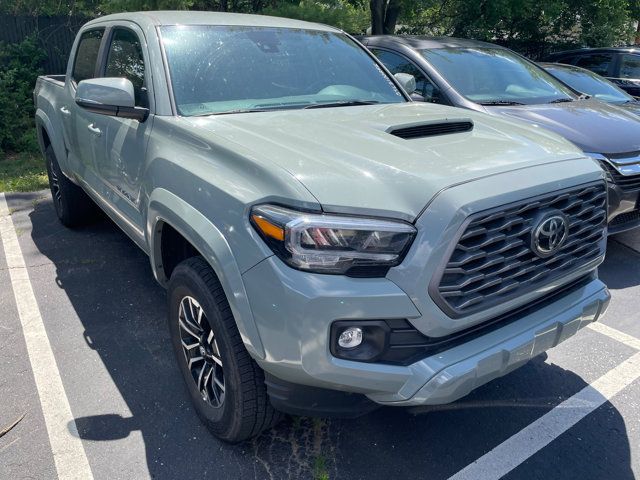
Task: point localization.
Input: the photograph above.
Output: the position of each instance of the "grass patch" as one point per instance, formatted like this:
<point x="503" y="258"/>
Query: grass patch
<point x="22" y="172"/>
<point x="320" y="468"/>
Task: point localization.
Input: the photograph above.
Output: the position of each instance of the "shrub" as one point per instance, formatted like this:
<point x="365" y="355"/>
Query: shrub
<point x="20" y="65"/>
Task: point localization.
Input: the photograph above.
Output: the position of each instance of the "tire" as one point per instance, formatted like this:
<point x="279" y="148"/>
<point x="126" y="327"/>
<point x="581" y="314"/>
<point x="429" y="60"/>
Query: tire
<point x="241" y="409"/>
<point x="73" y="206"/>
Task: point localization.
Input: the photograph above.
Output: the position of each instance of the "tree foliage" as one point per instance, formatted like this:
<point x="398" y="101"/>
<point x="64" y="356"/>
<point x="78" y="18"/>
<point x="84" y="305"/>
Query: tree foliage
<point x="583" y="22"/>
<point x="339" y="13"/>
<point x="579" y="22"/>
<point x="20" y="64"/>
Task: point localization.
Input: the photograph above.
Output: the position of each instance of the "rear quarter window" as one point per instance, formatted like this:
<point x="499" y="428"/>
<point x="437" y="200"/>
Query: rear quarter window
<point x="596" y="62"/>
<point x="630" y="66"/>
<point x="84" y="66"/>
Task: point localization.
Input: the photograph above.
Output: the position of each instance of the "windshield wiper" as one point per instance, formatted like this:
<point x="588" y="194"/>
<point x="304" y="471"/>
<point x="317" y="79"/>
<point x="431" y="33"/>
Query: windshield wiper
<point x="501" y="102"/>
<point x="345" y="103"/>
<point x="238" y="110"/>
<point x="561" y="100"/>
<point x="252" y="110"/>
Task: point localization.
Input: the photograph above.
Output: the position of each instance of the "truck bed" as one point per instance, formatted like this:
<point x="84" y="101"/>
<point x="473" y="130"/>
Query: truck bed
<point x="57" y="79"/>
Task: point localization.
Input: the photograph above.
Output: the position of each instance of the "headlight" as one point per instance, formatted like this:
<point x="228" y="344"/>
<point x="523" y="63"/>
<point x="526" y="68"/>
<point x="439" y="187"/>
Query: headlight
<point x="353" y="246"/>
<point x="600" y="160"/>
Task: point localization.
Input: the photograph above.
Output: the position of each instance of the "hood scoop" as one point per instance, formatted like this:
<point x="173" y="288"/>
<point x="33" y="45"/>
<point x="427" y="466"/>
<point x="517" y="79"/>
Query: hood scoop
<point x="432" y="129"/>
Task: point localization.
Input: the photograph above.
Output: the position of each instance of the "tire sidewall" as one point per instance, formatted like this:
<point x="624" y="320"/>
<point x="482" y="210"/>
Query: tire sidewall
<point x="53" y="167"/>
<point x="186" y="282"/>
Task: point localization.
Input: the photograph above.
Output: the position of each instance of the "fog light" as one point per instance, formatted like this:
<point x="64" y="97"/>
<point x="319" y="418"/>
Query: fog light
<point x="350" y="338"/>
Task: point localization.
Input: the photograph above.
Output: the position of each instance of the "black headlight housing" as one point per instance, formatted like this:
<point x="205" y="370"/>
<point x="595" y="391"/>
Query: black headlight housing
<point x="333" y="244"/>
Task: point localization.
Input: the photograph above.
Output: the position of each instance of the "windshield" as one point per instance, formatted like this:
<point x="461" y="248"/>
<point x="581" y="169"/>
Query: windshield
<point x="496" y="76"/>
<point x="224" y="69"/>
<point x="590" y="83"/>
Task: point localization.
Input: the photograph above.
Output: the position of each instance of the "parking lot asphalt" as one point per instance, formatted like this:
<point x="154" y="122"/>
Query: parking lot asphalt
<point x="104" y="317"/>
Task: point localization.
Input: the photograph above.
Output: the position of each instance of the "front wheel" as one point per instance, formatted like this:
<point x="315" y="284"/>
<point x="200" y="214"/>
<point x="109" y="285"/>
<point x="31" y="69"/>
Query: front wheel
<point x="225" y="384"/>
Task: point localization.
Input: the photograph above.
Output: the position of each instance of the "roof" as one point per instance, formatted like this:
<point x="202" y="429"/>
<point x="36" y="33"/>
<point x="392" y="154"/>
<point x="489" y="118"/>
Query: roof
<point x="560" y="65"/>
<point x="595" y="50"/>
<point x="187" y="17"/>
<point x="564" y="66"/>
<point x="421" y="42"/>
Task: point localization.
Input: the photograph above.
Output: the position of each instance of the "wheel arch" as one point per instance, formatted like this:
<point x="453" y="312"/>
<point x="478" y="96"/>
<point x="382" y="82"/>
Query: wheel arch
<point x="46" y="136"/>
<point x="169" y="213"/>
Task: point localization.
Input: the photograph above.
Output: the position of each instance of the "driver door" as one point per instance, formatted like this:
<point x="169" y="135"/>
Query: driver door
<point x="122" y="161"/>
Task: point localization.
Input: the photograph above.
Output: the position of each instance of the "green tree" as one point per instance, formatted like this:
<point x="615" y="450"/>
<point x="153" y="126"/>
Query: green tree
<point x="20" y="64"/>
<point x="339" y="13"/>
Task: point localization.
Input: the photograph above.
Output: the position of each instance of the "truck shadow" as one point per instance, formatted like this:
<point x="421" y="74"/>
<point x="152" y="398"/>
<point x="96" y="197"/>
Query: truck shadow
<point x="109" y="283"/>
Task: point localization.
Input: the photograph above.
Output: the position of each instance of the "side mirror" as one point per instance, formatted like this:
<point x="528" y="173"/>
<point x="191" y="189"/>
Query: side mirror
<point x="406" y="81"/>
<point x="110" y="96"/>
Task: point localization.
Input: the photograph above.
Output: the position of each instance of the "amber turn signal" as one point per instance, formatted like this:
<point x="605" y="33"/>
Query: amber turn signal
<point x="268" y="228"/>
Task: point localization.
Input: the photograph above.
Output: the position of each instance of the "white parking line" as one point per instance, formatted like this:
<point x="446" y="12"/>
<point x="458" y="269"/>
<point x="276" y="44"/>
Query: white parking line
<point x="537" y="435"/>
<point x="622" y="337"/>
<point x="68" y="453"/>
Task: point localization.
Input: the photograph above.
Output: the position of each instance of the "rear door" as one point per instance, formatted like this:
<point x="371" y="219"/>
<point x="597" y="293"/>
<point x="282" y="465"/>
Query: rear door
<point x="628" y="73"/>
<point x="81" y="126"/>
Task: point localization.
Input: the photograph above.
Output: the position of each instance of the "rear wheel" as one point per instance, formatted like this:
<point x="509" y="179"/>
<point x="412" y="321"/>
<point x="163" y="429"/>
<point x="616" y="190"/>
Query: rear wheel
<point x="226" y="386"/>
<point x="72" y="204"/>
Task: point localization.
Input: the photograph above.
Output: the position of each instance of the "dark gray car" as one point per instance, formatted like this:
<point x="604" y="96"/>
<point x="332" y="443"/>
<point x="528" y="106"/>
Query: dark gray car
<point x="621" y="65"/>
<point x="590" y="83"/>
<point x="489" y="78"/>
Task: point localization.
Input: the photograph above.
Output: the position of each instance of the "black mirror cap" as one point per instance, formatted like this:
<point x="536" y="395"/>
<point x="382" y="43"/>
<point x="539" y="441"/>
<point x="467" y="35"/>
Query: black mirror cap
<point x="136" y="113"/>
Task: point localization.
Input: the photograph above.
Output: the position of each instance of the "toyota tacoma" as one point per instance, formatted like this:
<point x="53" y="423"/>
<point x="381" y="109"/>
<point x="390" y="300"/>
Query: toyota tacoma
<point x="327" y="245"/>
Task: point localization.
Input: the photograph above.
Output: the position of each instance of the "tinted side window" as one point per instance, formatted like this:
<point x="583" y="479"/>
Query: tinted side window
<point x="84" y="66"/>
<point x="125" y="60"/>
<point x="630" y="66"/>
<point x="597" y="62"/>
<point x="399" y="64"/>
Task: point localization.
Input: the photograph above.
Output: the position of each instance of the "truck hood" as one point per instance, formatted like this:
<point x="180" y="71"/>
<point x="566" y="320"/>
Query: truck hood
<point x="592" y="125"/>
<point x="349" y="162"/>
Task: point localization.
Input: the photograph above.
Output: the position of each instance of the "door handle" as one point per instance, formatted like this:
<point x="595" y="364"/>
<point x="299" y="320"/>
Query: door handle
<point x="65" y="111"/>
<point x="95" y="130"/>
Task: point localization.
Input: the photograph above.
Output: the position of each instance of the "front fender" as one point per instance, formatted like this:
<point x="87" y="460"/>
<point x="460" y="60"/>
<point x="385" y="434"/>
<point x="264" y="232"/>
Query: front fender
<point x="207" y="239"/>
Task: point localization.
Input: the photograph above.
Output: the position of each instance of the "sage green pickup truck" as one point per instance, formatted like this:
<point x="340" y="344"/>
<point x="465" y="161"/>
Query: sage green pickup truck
<point x="327" y="245"/>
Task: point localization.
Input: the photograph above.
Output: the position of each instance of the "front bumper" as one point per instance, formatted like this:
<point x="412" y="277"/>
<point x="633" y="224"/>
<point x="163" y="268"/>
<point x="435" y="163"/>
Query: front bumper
<point x="624" y="209"/>
<point x="294" y="310"/>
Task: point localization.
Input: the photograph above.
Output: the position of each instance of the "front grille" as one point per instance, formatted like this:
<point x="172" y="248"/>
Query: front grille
<point x="627" y="183"/>
<point x="432" y="129"/>
<point x="492" y="260"/>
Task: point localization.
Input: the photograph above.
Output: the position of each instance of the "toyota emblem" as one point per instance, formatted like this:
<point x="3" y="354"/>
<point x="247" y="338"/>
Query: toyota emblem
<point x="550" y="234"/>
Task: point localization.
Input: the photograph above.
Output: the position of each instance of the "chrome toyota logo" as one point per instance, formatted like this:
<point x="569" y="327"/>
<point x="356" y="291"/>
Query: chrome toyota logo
<point x="550" y="234"/>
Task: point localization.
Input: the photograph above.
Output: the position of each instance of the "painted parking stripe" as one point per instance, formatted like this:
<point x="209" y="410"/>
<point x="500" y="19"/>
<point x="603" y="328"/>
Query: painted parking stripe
<point x="68" y="453"/>
<point x="616" y="334"/>
<point x="537" y="435"/>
